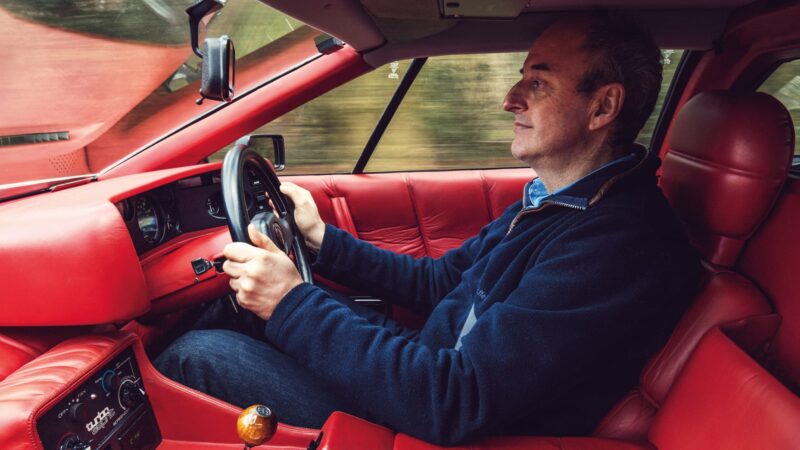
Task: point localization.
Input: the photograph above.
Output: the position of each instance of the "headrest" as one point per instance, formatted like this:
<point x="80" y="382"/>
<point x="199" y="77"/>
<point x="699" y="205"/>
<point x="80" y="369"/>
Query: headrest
<point x="729" y="154"/>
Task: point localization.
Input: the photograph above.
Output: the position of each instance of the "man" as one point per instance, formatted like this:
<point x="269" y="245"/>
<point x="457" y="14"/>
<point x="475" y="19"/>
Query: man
<point x="537" y="325"/>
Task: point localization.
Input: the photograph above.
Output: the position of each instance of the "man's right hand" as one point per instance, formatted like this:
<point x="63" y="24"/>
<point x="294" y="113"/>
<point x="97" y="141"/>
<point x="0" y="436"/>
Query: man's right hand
<point x="306" y="214"/>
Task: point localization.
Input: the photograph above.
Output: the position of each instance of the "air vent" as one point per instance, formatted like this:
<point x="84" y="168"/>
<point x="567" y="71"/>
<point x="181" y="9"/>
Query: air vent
<point x="34" y="138"/>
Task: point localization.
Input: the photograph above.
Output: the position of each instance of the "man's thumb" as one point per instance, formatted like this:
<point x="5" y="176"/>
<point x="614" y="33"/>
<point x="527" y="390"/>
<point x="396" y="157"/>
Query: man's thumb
<point x="260" y="239"/>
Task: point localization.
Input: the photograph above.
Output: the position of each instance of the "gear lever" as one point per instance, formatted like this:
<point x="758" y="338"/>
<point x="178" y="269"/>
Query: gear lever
<point x="256" y="425"/>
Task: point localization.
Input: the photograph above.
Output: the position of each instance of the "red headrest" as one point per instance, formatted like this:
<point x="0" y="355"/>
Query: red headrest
<point x="729" y="154"/>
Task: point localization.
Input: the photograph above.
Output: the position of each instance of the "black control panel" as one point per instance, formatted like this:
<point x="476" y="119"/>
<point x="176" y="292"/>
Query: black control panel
<point x="110" y="411"/>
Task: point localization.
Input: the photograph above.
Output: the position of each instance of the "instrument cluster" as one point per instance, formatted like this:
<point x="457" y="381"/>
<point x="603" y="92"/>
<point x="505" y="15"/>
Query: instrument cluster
<point x="190" y="204"/>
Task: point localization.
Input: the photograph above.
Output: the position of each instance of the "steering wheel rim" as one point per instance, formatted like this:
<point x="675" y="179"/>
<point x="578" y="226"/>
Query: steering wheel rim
<point x="236" y="161"/>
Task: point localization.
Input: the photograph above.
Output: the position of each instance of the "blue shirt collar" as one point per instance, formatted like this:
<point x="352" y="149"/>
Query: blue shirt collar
<point x="537" y="192"/>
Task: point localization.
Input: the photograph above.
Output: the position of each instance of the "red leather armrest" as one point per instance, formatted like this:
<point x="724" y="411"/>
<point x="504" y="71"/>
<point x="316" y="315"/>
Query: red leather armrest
<point x="344" y="432"/>
<point x="35" y="387"/>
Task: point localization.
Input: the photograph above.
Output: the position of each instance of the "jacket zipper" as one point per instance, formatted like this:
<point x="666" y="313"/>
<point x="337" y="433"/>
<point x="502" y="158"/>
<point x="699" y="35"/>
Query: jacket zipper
<point x="600" y="193"/>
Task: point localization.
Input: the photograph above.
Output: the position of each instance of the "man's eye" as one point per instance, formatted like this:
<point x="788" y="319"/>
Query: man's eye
<point x="536" y="84"/>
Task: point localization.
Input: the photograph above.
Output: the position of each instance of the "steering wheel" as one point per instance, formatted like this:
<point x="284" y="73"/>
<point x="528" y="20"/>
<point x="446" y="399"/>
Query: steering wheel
<point x="243" y="165"/>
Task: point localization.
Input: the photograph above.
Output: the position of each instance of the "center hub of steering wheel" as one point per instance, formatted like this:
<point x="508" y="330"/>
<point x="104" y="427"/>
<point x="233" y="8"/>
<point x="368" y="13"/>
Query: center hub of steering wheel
<point x="278" y="234"/>
<point x="278" y="229"/>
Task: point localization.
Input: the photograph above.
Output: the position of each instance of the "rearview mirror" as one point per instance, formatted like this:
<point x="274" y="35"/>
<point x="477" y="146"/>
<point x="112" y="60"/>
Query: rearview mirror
<point x="219" y="64"/>
<point x="264" y="144"/>
<point x="219" y="57"/>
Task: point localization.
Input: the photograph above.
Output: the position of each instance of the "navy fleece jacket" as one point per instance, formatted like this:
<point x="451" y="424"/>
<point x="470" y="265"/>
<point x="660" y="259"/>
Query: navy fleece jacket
<point x="571" y="298"/>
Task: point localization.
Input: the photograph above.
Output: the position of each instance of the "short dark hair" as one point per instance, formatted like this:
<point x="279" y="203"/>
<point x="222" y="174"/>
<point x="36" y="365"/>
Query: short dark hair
<point x="623" y="53"/>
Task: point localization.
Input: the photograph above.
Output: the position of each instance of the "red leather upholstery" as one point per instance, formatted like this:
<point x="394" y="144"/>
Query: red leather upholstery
<point x="73" y="259"/>
<point x="32" y="389"/>
<point x="14" y="355"/>
<point x="209" y="420"/>
<point x="343" y="431"/>
<point x="20" y="345"/>
<point x="405" y="442"/>
<point x="771" y="260"/>
<point x="725" y="296"/>
<point x="728" y="157"/>
<point x="724" y="399"/>
<point x="424" y="213"/>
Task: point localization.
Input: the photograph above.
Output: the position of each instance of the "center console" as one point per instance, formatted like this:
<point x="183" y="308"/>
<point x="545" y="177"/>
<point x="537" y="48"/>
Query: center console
<point x="101" y="392"/>
<point x="109" y="411"/>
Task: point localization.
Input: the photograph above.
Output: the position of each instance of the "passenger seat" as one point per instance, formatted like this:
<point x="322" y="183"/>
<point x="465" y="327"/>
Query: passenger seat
<point x="729" y="156"/>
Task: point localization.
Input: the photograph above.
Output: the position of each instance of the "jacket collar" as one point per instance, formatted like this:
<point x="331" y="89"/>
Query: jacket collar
<point x="590" y="189"/>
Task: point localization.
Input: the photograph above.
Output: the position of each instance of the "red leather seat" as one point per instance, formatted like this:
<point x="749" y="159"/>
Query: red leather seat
<point x="725" y="399"/>
<point x="729" y="155"/>
<point x="771" y="260"/>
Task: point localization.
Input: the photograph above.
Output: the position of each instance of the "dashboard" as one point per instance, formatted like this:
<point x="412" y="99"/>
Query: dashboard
<point x="123" y="246"/>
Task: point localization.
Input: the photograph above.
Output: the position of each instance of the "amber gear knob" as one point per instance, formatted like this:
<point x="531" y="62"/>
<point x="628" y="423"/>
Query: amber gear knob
<point x="256" y="425"/>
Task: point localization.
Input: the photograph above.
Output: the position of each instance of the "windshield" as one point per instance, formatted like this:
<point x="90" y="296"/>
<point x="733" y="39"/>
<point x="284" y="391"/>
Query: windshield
<point x="86" y="82"/>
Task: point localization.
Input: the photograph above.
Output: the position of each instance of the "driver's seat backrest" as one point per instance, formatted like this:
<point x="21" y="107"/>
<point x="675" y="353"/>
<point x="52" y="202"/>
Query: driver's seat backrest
<point x="729" y="155"/>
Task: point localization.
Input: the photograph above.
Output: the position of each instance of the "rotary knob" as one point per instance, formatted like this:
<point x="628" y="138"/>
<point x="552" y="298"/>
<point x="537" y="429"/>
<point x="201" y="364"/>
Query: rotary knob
<point x="110" y="381"/>
<point x="130" y="394"/>
<point x="256" y="425"/>
<point x="78" y="412"/>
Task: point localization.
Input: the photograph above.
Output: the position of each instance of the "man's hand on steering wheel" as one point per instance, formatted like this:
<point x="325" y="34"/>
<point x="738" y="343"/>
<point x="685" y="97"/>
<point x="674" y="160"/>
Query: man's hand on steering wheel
<point x="306" y="214"/>
<point x="261" y="274"/>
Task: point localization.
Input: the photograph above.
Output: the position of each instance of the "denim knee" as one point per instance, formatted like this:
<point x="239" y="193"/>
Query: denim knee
<point x="191" y="357"/>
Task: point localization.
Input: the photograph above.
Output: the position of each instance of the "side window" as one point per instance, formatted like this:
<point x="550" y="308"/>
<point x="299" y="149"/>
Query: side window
<point x="328" y="134"/>
<point x="670" y="60"/>
<point x="784" y="84"/>
<point x="451" y="118"/>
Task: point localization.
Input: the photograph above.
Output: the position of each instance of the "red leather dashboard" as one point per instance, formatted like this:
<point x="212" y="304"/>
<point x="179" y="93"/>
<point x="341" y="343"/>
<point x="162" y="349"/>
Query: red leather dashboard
<point x="68" y="258"/>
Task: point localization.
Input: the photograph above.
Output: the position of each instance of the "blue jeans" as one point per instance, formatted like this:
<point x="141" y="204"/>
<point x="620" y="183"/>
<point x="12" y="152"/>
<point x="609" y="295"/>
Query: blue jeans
<point x="233" y="362"/>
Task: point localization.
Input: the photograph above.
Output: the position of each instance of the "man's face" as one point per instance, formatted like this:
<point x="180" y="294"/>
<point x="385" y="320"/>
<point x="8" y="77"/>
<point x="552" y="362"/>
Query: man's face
<point x="550" y="116"/>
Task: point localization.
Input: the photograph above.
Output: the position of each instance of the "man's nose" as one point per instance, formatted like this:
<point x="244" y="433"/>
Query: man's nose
<point x="513" y="102"/>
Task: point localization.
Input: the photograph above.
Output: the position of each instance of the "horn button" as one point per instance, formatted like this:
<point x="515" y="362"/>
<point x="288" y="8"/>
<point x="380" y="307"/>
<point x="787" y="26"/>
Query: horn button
<point x="276" y="228"/>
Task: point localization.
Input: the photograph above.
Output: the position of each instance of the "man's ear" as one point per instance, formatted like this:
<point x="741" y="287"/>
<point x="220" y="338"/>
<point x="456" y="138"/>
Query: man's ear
<point x="606" y="105"/>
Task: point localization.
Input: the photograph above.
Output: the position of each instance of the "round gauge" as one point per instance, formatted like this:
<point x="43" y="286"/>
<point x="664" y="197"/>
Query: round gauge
<point x="149" y="220"/>
<point x="214" y="206"/>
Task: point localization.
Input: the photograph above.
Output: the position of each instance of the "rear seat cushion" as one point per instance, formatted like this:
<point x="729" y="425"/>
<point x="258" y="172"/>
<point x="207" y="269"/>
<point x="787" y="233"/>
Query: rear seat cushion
<point x="724" y="399"/>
